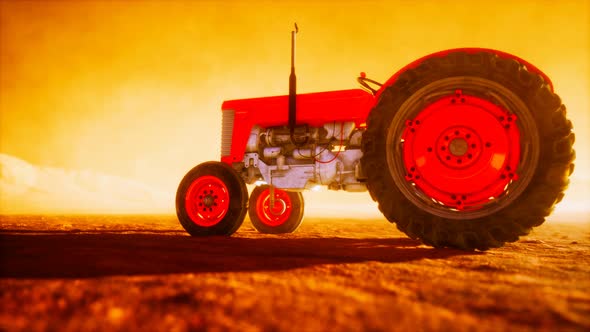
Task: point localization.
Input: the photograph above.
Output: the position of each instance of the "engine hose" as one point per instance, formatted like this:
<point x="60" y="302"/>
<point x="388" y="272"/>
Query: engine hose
<point x="339" y="149"/>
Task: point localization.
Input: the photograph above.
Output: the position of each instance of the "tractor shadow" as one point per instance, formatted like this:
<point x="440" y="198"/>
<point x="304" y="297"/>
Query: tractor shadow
<point x="94" y="255"/>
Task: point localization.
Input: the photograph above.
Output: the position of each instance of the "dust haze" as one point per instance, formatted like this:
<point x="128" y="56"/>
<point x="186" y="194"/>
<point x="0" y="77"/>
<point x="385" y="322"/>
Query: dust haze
<point x="27" y="188"/>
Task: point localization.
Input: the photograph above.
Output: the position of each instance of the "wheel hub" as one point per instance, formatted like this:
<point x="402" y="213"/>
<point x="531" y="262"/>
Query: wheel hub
<point x="461" y="151"/>
<point x="458" y="147"/>
<point x="207" y="201"/>
<point x="274" y="212"/>
<point x="279" y="207"/>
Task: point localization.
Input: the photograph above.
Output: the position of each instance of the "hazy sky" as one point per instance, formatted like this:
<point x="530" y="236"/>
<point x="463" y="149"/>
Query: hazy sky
<point x="133" y="88"/>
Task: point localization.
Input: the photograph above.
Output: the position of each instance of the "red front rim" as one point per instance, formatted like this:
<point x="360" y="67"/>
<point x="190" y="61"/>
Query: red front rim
<point x="279" y="212"/>
<point x="207" y="201"/>
<point x="462" y="151"/>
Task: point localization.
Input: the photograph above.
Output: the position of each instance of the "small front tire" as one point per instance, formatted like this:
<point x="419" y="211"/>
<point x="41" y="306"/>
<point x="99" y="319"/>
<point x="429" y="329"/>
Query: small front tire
<point x="284" y="216"/>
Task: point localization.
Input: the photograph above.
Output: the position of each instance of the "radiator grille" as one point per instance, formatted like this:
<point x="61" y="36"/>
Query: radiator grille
<point x="227" y="127"/>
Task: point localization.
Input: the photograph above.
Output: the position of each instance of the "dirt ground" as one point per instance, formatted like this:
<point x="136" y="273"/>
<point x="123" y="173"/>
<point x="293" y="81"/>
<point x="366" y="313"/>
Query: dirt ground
<point x="145" y="273"/>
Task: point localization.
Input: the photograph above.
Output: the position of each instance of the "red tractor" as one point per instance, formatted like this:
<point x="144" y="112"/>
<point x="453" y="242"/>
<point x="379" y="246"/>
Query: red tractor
<point x="466" y="148"/>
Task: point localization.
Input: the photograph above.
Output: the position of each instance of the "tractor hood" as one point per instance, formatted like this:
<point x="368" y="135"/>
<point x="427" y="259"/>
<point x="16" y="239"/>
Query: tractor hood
<point x="313" y="109"/>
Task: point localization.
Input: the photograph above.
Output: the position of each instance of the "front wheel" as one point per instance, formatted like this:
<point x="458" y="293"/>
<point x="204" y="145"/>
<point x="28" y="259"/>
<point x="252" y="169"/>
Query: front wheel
<point x="283" y="214"/>
<point x="211" y="200"/>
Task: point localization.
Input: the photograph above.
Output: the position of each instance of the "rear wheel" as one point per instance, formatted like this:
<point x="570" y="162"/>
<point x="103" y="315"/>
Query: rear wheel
<point x="468" y="150"/>
<point x="281" y="215"/>
<point x="211" y="200"/>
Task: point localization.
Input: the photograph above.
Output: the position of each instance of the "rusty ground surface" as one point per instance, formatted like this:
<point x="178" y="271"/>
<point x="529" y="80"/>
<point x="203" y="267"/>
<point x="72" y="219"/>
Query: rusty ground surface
<point x="128" y="273"/>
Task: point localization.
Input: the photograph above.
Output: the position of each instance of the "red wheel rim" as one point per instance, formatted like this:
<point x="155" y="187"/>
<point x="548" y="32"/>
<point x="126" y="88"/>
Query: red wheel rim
<point x="277" y="214"/>
<point x="461" y="151"/>
<point x="207" y="201"/>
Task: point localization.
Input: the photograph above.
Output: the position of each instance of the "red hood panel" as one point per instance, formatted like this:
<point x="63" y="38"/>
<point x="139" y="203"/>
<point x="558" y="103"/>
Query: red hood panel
<point x="314" y="109"/>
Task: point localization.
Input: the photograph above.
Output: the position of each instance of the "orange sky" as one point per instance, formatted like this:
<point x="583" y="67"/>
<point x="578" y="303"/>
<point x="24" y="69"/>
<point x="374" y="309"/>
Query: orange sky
<point x="133" y="88"/>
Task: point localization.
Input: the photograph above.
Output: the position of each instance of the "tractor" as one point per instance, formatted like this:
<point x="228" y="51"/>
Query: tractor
<point x="465" y="148"/>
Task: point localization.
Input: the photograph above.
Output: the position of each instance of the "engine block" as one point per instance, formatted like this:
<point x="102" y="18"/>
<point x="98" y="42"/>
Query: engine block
<point x="330" y="156"/>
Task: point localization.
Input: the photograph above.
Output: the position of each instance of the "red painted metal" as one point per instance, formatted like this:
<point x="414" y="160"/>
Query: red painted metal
<point x="277" y="214"/>
<point x="462" y="151"/>
<point x="314" y="109"/>
<point x="501" y="54"/>
<point x="207" y="201"/>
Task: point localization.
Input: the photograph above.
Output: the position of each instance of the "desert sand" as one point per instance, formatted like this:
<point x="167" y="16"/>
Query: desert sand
<point x="85" y="273"/>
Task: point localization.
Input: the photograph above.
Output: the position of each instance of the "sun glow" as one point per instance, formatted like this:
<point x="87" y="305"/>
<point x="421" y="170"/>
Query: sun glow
<point x="133" y="89"/>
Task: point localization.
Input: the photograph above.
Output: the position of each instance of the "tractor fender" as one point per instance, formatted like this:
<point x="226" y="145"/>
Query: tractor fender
<point x="501" y="54"/>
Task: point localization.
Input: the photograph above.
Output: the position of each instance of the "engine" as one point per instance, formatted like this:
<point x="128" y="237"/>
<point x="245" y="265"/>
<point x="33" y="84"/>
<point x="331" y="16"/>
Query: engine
<point x="311" y="156"/>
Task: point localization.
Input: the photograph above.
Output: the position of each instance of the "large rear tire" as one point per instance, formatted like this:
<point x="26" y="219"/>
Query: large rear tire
<point x="468" y="150"/>
<point x="212" y="199"/>
<point x="284" y="216"/>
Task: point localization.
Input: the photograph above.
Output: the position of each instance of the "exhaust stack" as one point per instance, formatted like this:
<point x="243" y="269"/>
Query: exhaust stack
<point x="293" y="88"/>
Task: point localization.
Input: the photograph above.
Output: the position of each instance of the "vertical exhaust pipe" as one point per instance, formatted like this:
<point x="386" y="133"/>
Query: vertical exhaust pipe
<point x="293" y="88"/>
